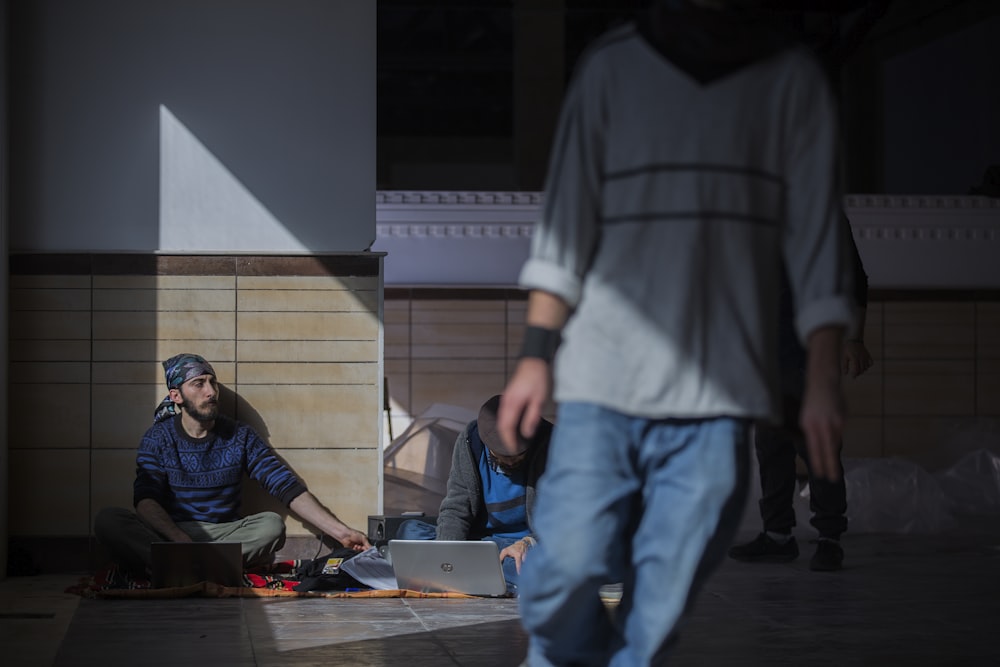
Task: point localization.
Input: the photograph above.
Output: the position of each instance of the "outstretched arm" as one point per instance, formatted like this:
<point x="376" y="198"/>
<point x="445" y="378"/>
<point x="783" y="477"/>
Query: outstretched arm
<point x="309" y="509"/>
<point x="823" y="412"/>
<point x="530" y="387"/>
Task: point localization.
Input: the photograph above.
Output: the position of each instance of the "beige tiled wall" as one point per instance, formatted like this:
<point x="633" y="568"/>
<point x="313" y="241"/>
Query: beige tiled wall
<point x="935" y="381"/>
<point x="299" y="358"/>
<point x="939" y="357"/>
<point x="50" y="323"/>
<point x="864" y="394"/>
<point x="448" y="347"/>
<point x="988" y="358"/>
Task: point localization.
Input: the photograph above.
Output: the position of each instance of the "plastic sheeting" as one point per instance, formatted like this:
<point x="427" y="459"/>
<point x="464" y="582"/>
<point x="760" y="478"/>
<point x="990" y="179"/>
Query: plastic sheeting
<point x="972" y="486"/>
<point x="417" y="462"/>
<point x="894" y="495"/>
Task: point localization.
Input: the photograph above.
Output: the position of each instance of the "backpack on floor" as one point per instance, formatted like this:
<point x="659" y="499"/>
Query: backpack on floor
<point x="324" y="574"/>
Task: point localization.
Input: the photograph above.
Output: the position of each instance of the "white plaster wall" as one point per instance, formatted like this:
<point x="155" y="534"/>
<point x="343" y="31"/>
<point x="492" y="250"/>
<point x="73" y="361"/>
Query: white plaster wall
<point x="193" y="125"/>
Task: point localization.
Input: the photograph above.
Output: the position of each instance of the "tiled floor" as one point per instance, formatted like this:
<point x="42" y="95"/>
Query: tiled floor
<point x="901" y="600"/>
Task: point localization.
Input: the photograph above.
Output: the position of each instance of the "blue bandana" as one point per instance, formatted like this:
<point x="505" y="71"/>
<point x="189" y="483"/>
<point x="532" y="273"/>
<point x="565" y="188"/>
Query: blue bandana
<point x="178" y="370"/>
<point x="182" y="367"/>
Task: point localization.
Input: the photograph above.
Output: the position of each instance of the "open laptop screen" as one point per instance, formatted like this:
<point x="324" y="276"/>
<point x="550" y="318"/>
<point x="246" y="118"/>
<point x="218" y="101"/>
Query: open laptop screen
<point x="185" y="563"/>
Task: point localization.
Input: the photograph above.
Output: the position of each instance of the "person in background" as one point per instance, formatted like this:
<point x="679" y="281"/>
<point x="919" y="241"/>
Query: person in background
<point x="777" y="444"/>
<point x="189" y="479"/>
<point x="490" y="493"/>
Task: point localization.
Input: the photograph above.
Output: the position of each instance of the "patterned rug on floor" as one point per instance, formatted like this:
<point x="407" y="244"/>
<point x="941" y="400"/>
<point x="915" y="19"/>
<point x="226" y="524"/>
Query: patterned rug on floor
<point x="281" y="579"/>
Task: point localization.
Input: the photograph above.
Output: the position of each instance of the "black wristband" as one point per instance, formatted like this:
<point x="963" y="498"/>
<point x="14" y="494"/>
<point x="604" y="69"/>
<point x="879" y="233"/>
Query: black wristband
<point x="540" y="343"/>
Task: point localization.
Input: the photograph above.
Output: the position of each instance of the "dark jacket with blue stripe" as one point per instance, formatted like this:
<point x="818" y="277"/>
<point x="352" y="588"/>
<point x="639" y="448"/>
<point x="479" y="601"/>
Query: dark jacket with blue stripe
<point x="463" y="513"/>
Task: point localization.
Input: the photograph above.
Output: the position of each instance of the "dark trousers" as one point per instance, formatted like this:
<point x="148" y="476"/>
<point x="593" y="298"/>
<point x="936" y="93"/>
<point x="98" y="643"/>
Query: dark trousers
<point x="776" y="448"/>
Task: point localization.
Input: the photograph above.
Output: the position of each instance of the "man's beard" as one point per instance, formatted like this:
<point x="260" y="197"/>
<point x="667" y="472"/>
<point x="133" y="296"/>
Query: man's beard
<point x="209" y="412"/>
<point x="505" y="468"/>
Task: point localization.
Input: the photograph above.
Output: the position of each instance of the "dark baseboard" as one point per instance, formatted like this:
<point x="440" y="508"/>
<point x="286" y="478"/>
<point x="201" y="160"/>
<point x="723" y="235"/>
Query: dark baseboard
<point x="28" y="555"/>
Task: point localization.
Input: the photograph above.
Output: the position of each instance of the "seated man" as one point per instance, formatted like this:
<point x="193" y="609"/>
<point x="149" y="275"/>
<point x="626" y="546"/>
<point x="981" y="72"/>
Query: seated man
<point x="490" y="495"/>
<point x="189" y="474"/>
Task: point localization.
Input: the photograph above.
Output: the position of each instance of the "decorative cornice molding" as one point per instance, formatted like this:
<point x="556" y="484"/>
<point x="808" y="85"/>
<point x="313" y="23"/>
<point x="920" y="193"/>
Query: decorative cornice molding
<point x="895" y="232"/>
<point x="947" y="219"/>
<point x="483" y="238"/>
<point x="511" y="215"/>
<point x="474" y="231"/>
<point x="455" y="215"/>
<point x="388" y="198"/>
<point x="447" y="198"/>
<point x="904" y="203"/>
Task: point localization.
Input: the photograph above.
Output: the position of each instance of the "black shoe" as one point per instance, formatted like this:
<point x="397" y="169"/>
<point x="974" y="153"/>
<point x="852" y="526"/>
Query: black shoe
<point x="829" y="556"/>
<point x="763" y="549"/>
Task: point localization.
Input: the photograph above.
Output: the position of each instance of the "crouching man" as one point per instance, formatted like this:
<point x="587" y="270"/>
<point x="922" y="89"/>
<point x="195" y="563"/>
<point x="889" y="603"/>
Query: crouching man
<point x="490" y="493"/>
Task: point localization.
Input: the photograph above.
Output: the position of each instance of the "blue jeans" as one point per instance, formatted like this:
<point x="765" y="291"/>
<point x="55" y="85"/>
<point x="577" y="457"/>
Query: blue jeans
<point x="414" y="529"/>
<point x="653" y="504"/>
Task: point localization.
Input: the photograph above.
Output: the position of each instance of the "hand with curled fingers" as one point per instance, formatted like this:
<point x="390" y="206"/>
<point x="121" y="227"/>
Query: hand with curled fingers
<point x="518" y="551"/>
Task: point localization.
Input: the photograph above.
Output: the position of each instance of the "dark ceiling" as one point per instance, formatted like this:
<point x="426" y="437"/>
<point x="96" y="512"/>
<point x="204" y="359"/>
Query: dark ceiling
<point x="447" y="67"/>
<point x="452" y="78"/>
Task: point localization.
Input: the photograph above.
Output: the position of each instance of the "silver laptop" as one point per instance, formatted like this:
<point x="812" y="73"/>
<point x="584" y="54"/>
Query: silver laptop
<point x="185" y="563"/>
<point x="442" y="566"/>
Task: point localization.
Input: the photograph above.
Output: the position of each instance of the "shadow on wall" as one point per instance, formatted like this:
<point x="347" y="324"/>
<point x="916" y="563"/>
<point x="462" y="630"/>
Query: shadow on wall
<point x="255" y="498"/>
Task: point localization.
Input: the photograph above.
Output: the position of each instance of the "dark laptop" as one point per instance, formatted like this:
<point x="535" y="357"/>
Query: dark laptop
<point x="185" y="563"/>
